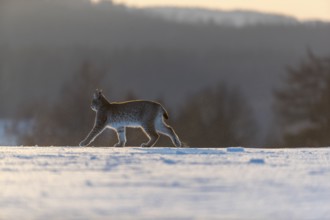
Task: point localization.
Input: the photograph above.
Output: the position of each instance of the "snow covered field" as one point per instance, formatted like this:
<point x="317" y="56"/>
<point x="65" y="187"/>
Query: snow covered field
<point x="164" y="183"/>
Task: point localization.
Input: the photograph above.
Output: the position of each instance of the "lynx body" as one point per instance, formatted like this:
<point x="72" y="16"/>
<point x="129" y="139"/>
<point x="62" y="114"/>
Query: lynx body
<point x="147" y="115"/>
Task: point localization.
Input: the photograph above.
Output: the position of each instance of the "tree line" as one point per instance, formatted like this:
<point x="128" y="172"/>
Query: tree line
<point x="217" y="116"/>
<point x="214" y="116"/>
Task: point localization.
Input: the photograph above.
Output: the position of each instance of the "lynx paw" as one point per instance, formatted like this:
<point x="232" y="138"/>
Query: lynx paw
<point x="119" y="145"/>
<point x="83" y="144"/>
<point x="145" y="145"/>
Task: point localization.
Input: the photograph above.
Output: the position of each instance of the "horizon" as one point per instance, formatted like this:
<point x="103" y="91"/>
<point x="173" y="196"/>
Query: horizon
<point x="313" y="10"/>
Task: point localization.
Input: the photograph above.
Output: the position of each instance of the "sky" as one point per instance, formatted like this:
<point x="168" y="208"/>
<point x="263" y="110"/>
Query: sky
<point x="301" y="9"/>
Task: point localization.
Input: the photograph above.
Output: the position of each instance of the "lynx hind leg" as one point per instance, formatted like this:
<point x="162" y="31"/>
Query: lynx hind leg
<point x="167" y="130"/>
<point x="152" y="134"/>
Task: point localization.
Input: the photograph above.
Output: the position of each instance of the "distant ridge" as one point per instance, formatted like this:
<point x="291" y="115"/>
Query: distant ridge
<point x="236" y="18"/>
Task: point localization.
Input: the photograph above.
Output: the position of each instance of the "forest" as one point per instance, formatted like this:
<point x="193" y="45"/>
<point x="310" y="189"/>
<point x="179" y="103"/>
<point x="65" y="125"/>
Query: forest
<point x="222" y="85"/>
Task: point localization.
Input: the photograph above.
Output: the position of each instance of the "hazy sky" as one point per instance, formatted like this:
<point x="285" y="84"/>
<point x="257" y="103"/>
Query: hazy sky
<point x="301" y="9"/>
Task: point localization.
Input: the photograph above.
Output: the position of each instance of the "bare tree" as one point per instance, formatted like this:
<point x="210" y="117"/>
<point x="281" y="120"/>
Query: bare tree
<point x="217" y="117"/>
<point x="66" y="121"/>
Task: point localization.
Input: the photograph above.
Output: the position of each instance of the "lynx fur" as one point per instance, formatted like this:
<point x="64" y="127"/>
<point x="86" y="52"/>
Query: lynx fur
<point x="147" y="115"/>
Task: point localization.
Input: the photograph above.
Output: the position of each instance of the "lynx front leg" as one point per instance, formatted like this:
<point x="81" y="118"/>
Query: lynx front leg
<point x="121" y="134"/>
<point x="96" y="131"/>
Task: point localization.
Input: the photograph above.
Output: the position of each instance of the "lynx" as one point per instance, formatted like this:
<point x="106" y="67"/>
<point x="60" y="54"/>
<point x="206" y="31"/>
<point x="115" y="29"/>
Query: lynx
<point x="147" y="115"/>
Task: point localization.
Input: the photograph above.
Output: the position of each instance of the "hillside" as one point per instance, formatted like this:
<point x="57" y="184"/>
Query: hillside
<point x="44" y="43"/>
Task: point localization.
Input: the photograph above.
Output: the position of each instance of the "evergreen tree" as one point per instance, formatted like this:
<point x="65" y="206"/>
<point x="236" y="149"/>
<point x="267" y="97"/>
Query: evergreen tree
<point x="303" y="104"/>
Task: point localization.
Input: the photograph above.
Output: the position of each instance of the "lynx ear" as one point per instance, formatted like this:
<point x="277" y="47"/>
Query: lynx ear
<point x="97" y="93"/>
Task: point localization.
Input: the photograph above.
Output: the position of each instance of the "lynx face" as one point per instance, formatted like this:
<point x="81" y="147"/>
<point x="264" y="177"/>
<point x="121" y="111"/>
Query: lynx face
<point x="96" y="101"/>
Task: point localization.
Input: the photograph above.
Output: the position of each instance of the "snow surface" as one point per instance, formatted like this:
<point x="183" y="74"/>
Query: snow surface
<point x="164" y="183"/>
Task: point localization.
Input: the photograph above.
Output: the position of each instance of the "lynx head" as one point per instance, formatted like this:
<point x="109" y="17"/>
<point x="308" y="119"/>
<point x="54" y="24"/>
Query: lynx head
<point x="98" y="100"/>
